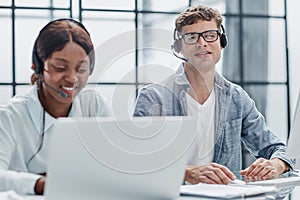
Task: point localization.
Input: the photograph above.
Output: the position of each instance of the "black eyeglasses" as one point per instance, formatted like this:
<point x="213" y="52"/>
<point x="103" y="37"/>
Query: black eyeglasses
<point x="193" y="37"/>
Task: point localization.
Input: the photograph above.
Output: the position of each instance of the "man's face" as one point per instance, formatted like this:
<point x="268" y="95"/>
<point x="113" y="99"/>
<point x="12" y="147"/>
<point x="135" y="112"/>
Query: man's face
<point x="203" y="55"/>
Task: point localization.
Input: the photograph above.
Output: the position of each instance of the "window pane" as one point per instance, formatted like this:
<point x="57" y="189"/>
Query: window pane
<point x="231" y="68"/>
<point x="40" y="3"/>
<point x="5" y="3"/>
<point x="28" y="24"/>
<point x="156" y="60"/>
<point x="23" y="89"/>
<point x="276" y="7"/>
<point x="6" y="93"/>
<point x="158" y="5"/>
<point x="271" y="100"/>
<point x="111" y="4"/>
<point x="266" y="7"/>
<point x="218" y="4"/>
<point x="117" y="66"/>
<point x="105" y="25"/>
<point x="233" y="7"/>
<point x="277" y="51"/>
<point x="61" y="3"/>
<point x="43" y="3"/>
<point x="164" y="21"/>
<point x="6" y="47"/>
<point x="114" y="39"/>
<point x="120" y="98"/>
<point x="264" y="50"/>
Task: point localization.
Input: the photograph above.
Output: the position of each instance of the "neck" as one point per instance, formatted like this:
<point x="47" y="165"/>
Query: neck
<point x="202" y="83"/>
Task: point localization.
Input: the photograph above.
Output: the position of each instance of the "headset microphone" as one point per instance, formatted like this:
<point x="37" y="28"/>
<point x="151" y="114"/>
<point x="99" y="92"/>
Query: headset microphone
<point x="177" y="56"/>
<point x="60" y="93"/>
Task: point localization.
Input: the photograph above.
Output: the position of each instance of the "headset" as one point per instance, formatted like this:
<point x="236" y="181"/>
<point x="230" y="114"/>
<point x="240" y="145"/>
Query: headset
<point x="37" y="64"/>
<point x="177" y="46"/>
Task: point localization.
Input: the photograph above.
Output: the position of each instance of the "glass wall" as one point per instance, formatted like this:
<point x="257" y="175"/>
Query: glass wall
<point x="133" y="39"/>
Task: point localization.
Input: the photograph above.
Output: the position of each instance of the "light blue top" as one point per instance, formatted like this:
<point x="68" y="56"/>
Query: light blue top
<point x="236" y="118"/>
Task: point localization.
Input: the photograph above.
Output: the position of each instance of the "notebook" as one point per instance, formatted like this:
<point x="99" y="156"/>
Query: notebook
<point x="231" y="191"/>
<point x="279" y="182"/>
<point x="107" y="158"/>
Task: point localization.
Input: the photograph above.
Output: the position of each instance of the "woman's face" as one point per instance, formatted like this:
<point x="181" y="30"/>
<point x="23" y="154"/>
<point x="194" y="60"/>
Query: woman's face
<point x="66" y="71"/>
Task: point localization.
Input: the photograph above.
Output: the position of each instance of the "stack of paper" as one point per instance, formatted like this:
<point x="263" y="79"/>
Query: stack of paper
<point x="225" y="191"/>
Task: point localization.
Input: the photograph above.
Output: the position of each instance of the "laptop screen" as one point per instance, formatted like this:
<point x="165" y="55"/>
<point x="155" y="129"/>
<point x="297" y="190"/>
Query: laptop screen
<point x="106" y="158"/>
<point x="293" y="149"/>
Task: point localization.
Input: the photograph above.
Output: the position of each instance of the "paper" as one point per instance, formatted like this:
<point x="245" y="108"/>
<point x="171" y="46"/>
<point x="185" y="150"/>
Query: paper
<point x="224" y="191"/>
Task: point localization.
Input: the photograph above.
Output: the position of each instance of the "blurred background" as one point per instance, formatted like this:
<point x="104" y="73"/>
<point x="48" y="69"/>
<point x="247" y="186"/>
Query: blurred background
<point x="133" y="37"/>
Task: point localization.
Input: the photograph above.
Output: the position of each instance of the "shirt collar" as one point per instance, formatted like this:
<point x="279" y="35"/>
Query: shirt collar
<point x="36" y="110"/>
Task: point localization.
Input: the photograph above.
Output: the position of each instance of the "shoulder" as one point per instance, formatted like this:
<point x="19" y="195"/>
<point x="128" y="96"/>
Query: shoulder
<point x="230" y="88"/>
<point x="91" y="103"/>
<point x="88" y="94"/>
<point x="15" y="104"/>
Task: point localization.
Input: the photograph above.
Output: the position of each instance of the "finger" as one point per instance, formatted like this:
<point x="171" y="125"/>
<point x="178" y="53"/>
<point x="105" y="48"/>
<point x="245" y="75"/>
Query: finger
<point x="249" y="171"/>
<point x="261" y="169"/>
<point x="269" y="173"/>
<point x="211" y="177"/>
<point x="225" y="176"/>
<point x="225" y="170"/>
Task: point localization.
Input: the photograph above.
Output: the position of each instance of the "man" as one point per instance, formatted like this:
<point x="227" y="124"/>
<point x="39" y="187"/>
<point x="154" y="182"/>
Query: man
<point x="224" y="113"/>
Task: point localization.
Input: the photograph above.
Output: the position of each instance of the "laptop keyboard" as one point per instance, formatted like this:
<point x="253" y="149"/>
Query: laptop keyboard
<point x="279" y="182"/>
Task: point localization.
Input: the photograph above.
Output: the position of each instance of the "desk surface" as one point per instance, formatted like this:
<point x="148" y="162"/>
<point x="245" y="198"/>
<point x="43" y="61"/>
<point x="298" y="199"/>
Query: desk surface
<point x="281" y="195"/>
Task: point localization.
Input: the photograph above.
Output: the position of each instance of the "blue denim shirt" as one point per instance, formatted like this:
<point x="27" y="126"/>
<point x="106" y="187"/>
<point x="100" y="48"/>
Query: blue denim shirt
<point x="236" y="118"/>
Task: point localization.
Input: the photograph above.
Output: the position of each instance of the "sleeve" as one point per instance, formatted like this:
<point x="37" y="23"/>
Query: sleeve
<point x="20" y="182"/>
<point x="148" y="103"/>
<point x="257" y="136"/>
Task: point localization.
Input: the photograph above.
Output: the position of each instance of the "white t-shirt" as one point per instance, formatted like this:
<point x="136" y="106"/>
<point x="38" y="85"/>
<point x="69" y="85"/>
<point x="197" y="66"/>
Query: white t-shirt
<point x="20" y="133"/>
<point x="202" y="149"/>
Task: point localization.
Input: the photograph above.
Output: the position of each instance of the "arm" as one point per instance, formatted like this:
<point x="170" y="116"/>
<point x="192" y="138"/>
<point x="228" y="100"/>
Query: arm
<point x="10" y="179"/>
<point x="263" y="144"/>
<point x="148" y="103"/>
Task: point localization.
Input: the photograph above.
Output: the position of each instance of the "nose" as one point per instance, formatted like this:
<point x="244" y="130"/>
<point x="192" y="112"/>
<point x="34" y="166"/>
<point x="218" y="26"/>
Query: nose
<point x="71" y="76"/>
<point x="201" y="41"/>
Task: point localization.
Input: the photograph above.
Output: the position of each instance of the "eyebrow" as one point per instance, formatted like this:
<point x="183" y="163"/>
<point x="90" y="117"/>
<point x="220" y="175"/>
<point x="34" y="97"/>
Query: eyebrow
<point x="66" y="61"/>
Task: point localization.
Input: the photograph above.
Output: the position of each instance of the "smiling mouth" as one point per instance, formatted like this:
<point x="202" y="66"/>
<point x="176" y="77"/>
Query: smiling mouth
<point x="202" y="53"/>
<point x="68" y="88"/>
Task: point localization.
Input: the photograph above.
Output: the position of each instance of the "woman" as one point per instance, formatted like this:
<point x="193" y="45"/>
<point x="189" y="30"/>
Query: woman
<point x="63" y="58"/>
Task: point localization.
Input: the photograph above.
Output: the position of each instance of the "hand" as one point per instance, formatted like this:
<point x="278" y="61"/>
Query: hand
<point x="40" y="185"/>
<point x="263" y="169"/>
<point x="212" y="173"/>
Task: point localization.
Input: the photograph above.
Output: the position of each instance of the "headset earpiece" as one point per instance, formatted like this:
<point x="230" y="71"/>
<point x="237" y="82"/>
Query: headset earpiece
<point x="176" y="45"/>
<point x="37" y="64"/>
<point x="223" y="37"/>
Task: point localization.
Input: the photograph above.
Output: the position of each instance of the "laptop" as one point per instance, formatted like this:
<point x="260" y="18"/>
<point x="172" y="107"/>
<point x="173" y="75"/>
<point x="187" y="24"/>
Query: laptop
<point x="108" y="158"/>
<point x="293" y="150"/>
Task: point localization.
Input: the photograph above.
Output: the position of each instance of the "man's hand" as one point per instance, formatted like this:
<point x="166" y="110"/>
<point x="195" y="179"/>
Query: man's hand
<point x="263" y="169"/>
<point x="212" y="174"/>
